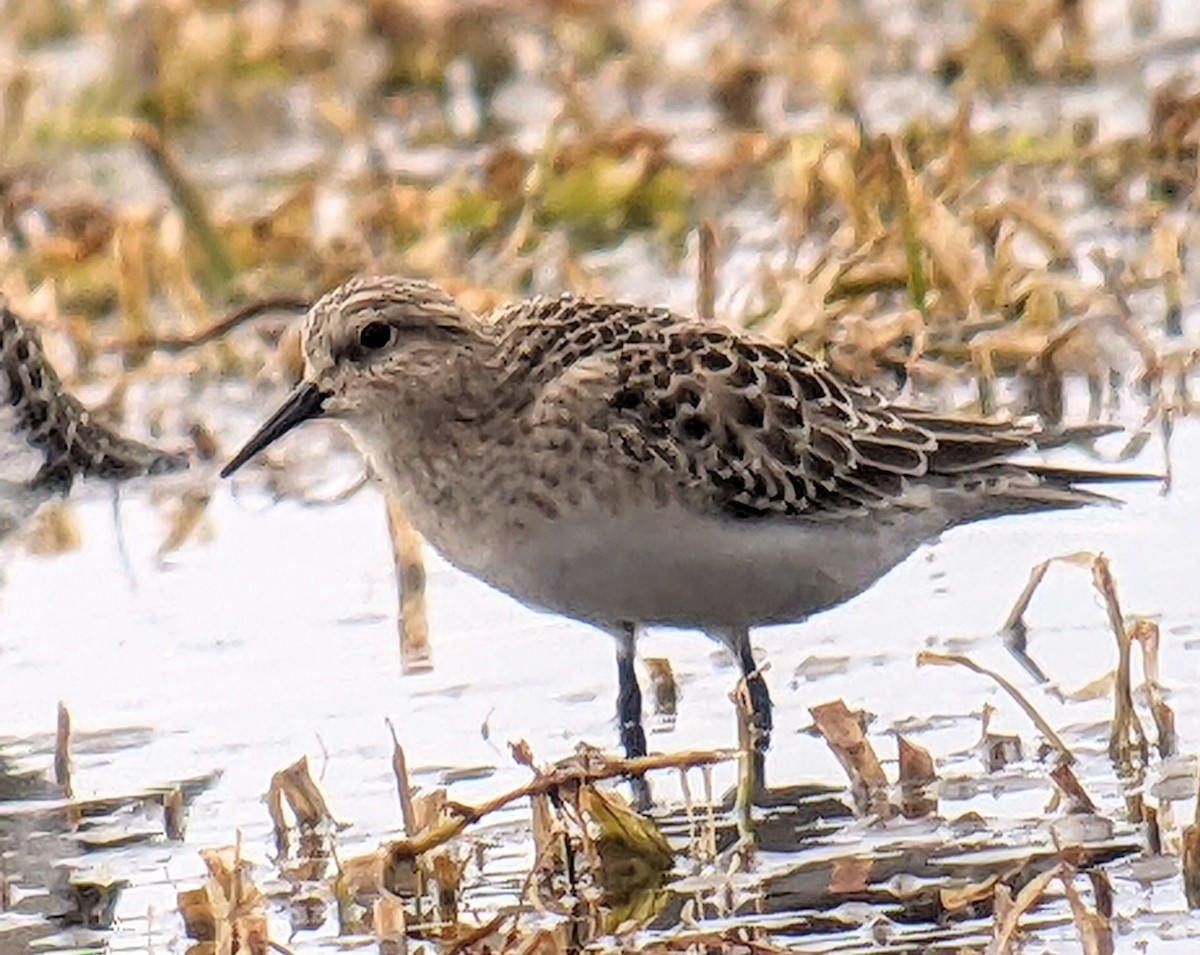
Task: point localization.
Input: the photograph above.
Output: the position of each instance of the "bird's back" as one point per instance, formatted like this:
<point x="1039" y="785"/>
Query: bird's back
<point x="659" y="469"/>
<point x="744" y="428"/>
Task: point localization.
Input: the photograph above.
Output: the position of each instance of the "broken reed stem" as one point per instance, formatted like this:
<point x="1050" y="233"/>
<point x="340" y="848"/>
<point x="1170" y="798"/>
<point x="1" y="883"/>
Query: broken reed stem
<point x="748" y="763"/>
<point x="706" y="298"/>
<point x="1007" y="918"/>
<point x="1068" y="783"/>
<point x="1145" y="633"/>
<point x="189" y="199"/>
<point x="931" y="658"/>
<point x="843" y="733"/>
<point x="1127" y="732"/>
<point x="413" y="624"/>
<point x="918" y="285"/>
<point x="1190" y="861"/>
<point x="1127" y="736"/>
<point x="547" y="782"/>
<point x="132" y="255"/>
<point x="403" y="786"/>
<point x="62" y="752"/>
<point x="1094" y="927"/>
<point x="917" y="776"/>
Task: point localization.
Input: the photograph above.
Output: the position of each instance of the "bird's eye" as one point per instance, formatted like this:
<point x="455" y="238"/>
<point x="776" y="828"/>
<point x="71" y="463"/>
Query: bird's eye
<point x="375" y="335"/>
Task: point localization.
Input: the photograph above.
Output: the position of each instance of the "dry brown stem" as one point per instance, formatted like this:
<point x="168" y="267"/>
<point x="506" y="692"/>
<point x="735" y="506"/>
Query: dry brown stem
<point x="1008" y="911"/>
<point x="706" y="299"/>
<point x="917" y="777"/>
<point x="413" y="623"/>
<point x="1128" y="738"/>
<point x="403" y="786"/>
<point x="844" y="734"/>
<point x="62" y="752"/>
<point x="931" y="658"/>
<point x="552" y="779"/>
<point x="189" y="199"/>
<point x="239" y="316"/>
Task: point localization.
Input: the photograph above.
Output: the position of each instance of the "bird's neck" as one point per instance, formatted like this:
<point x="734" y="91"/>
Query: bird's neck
<point x="426" y="441"/>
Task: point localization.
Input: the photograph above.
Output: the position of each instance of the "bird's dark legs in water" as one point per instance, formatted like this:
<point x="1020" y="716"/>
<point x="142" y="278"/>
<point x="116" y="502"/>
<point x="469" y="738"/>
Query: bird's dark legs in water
<point x="629" y="710"/>
<point x="760" y="701"/>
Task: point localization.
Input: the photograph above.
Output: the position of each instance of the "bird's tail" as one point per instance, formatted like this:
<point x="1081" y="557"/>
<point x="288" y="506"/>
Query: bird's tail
<point x="1024" y="488"/>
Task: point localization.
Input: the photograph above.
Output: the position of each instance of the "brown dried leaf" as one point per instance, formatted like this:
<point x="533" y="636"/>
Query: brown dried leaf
<point x="664" y="689"/>
<point x="390" y="925"/>
<point x="1190" y="864"/>
<point x="844" y="734"/>
<point x="446" y="865"/>
<point x="851" y="875"/>
<point x="196" y="910"/>
<point x="303" y="796"/>
<point x="1145" y="632"/>
<point x="522" y="754"/>
<point x="838" y="174"/>
<point x="862" y="344"/>
<point x="230" y="873"/>
<point x="545" y="941"/>
<point x="361" y="877"/>
<point x="175" y="815"/>
<point x="918" y="780"/>
<point x="949" y="242"/>
<point x="1008" y="910"/>
<point x="1127" y="738"/>
<point x="428" y="809"/>
<point x="228" y="911"/>
<point x="203" y="439"/>
<point x="955" y="898"/>
<point x="1035" y="220"/>
<point x="999" y="750"/>
<point x="930" y="658"/>
<point x="706" y="283"/>
<point x="404" y="788"/>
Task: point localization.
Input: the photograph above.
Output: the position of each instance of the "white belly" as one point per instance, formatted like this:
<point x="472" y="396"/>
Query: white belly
<point x="674" y="569"/>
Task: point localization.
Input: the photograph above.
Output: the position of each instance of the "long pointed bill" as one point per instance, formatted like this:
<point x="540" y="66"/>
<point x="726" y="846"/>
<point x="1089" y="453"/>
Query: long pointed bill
<point x="303" y="403"/>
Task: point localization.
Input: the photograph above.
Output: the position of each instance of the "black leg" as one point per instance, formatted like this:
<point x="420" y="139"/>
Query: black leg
<point x="629" y="710"/>
<point x="760" y="696"/>
<point x="758" y="725"/>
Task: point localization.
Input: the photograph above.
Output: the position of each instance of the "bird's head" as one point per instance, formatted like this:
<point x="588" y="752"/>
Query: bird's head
<point x="372" y="345"/>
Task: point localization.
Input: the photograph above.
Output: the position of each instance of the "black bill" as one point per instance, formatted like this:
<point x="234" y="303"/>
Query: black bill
<point x="303" y="403"/>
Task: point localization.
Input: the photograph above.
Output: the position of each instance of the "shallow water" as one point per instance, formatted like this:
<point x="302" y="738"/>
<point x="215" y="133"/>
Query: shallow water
<point x="276" y="638"/>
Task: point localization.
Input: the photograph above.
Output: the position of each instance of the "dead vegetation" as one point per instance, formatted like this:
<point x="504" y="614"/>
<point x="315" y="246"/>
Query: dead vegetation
<point x="951" y="260"/>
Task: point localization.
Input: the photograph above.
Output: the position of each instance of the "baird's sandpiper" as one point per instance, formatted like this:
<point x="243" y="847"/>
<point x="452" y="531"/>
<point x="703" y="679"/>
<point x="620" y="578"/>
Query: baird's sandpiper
<point x="626" y="466"/>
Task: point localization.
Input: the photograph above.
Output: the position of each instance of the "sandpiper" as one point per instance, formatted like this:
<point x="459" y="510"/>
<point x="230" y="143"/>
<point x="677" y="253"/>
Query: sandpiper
<point x="48" y="439"/>
<point x="626" y="466"/>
